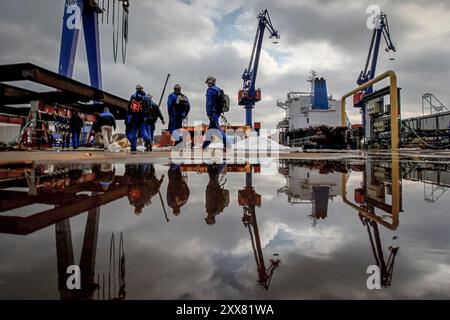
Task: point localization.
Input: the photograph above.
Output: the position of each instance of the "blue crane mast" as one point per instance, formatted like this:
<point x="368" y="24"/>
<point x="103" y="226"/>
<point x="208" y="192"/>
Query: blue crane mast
<point x="381" y="29"/>
<point x="85" y="13"/>
<point x="249" y="95"/>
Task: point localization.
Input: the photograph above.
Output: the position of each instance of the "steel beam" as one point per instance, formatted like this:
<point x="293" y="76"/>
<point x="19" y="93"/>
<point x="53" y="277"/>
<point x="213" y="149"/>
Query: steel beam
<point x="23" y="226"/>
<point x="11" y="95"/>
<point x="17" y="199"/>
<point x="31" y="72"/>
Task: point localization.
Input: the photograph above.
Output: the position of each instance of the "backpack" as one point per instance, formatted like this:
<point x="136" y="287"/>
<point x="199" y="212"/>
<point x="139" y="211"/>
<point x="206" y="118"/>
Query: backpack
<point x="152" y="112"/>
<point x="137" y="105"/>
<point x="225" y="199"/>
<point x="223" y="102"/>
<point x="181" y="104"/>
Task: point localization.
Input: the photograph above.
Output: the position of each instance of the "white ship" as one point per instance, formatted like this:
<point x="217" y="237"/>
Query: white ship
<point x="308" y="110"/>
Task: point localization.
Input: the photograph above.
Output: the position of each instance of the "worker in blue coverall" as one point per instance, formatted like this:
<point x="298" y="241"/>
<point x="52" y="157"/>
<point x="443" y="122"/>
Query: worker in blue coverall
<point x="178" y="107"/>
<point x="154" y="113"/>
<point x="136" y="118"/>
<point x="75" y="125"/>
<point x="212" y="95"/>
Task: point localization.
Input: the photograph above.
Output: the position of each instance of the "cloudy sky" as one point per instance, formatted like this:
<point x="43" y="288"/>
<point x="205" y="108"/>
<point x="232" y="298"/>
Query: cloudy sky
<point x="191" y="39"/>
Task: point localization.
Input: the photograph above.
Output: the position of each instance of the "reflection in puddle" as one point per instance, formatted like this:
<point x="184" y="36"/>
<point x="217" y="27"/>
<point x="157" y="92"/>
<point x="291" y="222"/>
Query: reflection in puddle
<point x="190" y="243"/>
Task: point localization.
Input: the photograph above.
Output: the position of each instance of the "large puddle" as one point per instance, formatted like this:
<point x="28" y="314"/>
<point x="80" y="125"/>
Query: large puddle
<point x="309" y="229"/>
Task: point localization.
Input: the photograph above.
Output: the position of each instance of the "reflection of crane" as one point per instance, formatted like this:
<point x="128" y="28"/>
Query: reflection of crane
<point x="379" y="179"/>
<point x="249" y="95"/>
<point x="249" y="199"/>
<point x="115" y="281"/>
<point x="386" y="267"/>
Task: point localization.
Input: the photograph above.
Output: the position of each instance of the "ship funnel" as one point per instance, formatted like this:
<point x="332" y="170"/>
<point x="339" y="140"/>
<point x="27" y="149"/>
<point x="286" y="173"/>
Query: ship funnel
<point x="320" y="100"/>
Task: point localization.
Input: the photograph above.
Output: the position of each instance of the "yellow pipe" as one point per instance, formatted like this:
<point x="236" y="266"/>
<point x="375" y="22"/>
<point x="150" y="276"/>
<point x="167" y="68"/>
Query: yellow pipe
<point x="393" y="99"/>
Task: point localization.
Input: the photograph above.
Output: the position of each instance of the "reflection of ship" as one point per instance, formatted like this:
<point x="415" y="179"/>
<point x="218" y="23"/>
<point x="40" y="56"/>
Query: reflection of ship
<point x="312" y="182"/>
<point x="316" y="182"/>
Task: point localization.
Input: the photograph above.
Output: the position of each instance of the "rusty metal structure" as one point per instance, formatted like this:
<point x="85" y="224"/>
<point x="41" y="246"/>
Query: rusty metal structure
<point x="68" y="95"/>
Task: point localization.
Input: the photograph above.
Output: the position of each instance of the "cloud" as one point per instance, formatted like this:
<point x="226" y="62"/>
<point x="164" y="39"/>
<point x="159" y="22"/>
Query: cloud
<point x="191" y="39"/>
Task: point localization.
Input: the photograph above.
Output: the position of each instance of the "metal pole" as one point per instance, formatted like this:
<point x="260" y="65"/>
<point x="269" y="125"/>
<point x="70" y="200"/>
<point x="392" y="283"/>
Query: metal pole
<point x="164" y="90"/>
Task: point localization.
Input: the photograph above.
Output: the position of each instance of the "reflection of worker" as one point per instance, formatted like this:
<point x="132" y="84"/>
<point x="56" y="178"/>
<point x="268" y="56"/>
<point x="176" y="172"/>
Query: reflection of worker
<point x="75" y="175"/>
<point x="217" y="198"/>
<point x="142" y="185"/>
<point x="177" y="189"/>
<point x="105" y="174"/>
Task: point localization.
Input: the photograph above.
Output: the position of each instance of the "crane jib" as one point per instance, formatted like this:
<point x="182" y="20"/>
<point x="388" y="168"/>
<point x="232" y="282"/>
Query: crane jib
<point x="249" y="95"/>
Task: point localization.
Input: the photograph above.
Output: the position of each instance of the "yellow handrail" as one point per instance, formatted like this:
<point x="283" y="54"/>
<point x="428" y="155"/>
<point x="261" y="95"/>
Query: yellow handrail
<point x="393" y="99"/>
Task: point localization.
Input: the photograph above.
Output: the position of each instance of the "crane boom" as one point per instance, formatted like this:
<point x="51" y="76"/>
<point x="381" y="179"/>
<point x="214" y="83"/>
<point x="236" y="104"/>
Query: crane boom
<point x="381" y="30"/>
<point x="248" y="96"/>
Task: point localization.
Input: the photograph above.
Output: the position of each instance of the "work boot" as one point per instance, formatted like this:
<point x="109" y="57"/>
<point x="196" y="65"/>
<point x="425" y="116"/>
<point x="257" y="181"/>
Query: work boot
<point x="148" y="146"/>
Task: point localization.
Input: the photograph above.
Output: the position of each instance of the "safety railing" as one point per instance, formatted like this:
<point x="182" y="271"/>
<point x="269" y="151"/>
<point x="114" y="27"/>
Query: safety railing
<point x="393" y="92"/>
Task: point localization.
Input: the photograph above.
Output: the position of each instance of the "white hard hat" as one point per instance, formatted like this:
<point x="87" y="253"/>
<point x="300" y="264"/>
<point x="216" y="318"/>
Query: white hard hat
<point x="210" y="79"/>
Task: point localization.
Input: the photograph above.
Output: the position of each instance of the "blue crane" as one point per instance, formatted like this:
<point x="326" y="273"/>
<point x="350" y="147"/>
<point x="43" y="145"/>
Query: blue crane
<point x="85" y="13"/>
<point x="381" y="29"/>
<point x="249" y="95"/>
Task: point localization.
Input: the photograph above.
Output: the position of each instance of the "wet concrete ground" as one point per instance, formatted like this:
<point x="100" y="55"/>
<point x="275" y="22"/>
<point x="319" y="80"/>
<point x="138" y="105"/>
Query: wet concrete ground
<point x="146" y="227"/>
<point x="99" y="155"/>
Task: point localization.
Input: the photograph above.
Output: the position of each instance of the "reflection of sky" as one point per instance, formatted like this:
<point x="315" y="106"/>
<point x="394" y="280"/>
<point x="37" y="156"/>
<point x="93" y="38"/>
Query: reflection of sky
<point x="186" y="258"/>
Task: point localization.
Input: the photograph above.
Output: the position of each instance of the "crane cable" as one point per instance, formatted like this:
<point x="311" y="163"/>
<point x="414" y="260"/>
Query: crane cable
<point x="125" y="12"/>
<point x="112" y="265"/>
<point x="115" y="25"/>
<point x="122" y="292"/>
<point x="120" y="22"/>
